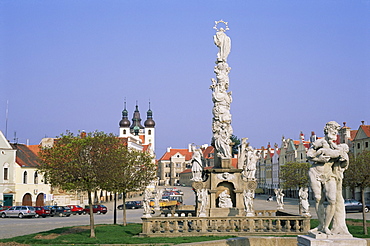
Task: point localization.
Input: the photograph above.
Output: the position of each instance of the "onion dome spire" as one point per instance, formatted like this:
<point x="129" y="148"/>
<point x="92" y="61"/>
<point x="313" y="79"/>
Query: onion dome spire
<point x="125" y="122"/>
<point x="149" y="118"/>
<point x="136" y="121"/>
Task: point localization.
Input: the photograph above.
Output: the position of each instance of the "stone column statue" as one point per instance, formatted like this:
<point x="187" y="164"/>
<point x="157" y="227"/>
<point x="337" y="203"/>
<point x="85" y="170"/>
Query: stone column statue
<point x="222" y="41"/>
<point x="146" y="204"/>
<point x="157" y="198"/>
<point x="248" y="202"/>
<point x="202" y="195"/>
<point x="303" y="201"/>
<point x="328" y="162"/>
<point x="221" y="126"/>
<point x="250" y="165"/>
<point x="279" y="198"/>
<point x="197" y="164"/>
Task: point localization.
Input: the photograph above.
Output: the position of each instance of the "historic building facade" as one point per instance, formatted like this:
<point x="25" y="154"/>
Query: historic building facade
<point x="20" y="181"/>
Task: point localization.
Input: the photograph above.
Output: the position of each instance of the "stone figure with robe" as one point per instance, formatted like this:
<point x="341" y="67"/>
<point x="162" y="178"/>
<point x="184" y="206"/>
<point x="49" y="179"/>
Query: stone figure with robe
<point x="250" y="165"/>
<point x="223" y="42"/>
<point x="224" y="200"/>
<point x="279" y="198"/>
<point x="328" y="162"/>
<point x="248" y="202"/>
<point x="197" y="164"/>
<point x="303" y="201"/>
<point x="146" y="203"/>
<point x="202" y="195"/>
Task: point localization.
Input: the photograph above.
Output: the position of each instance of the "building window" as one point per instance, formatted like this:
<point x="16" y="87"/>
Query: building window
<point x="150" y="132"/>
<point x="6" y="175"/>
<point x="167" y="164"/>
<point x="178" y="165"/>
<point x="358" y="145"/>
<point x="168" y="175"/>
<point x="36" y="178"/>
<point x="25" y="177"/>
<point x="366" y="144"/>
<point x="124" y="131"/>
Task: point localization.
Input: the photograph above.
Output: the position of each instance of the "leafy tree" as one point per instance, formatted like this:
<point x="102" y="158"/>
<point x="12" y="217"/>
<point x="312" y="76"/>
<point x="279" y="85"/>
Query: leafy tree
<point x="75" y="163"/>
<point x="236" y="142"/>
<point x="358" y="175"/>
<point x="130" y="170"/>
<point x="294" y="175"/>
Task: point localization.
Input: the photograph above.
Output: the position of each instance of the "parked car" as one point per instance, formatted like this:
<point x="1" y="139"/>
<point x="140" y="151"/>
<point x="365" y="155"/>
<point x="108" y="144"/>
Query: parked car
<point x="353" y="205"/>
<point x="19" y="211"/>
<point x="131" y="205"/>
<point x="98" y="209"/>
<point x="42" y="211"/>
<point x="75" y="209"/>
<point x="59" y="210"/>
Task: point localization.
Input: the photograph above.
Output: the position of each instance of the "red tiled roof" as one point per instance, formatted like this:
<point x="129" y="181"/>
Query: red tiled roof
<point x="185" y="152"/>
<point x="366" y="129"/>
<point x="26" y="156"/>
<point x="207" y="151"/>
<point x="353" y="134"/>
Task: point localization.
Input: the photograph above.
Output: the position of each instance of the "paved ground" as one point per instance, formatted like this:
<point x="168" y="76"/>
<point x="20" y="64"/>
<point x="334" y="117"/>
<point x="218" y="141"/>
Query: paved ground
<point x="11" y="227"/>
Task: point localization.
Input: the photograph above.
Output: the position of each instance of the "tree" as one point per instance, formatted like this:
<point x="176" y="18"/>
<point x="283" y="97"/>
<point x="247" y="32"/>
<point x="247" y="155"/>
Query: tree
<point x="294" y="175"/>
<point x="358" y="175"/>
<point x="130" y="170"/>
<point x="75" y="163"/>
<point x="235" y="144"/>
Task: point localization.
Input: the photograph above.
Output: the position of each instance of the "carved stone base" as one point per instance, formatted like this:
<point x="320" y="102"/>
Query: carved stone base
<point x="225" y="212"/>
<point x="304" y="240"/>
<point x="146" y="216"/>
<point x="226" y="163"/>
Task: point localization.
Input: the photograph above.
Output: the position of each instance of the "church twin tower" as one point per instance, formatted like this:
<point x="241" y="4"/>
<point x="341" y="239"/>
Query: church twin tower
<point x="134" y="129"/>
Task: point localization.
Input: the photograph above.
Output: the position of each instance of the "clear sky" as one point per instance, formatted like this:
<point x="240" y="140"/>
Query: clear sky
<point x="70" y="64"/>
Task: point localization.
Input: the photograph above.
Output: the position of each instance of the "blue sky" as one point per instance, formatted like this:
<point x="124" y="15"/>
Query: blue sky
<point x="70" y="65"/>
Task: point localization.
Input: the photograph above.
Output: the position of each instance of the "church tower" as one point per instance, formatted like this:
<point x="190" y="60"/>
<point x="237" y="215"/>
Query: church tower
<point x="124" y="124"/>
<point x="149" y="129"/>
<point x="136" y="128"/>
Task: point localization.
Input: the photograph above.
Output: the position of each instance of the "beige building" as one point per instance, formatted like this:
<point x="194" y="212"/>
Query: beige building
<point x="20" y="181"/>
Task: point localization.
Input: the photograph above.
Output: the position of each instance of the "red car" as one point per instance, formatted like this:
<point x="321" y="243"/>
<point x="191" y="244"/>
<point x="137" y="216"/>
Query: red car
<point x="75" y="209"/>
<point x="98" y="209"/>
<point x="42" y="211"/>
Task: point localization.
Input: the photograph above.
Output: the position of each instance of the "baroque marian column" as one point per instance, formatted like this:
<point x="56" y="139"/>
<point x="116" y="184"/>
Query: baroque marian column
<point x="221" y="125"/>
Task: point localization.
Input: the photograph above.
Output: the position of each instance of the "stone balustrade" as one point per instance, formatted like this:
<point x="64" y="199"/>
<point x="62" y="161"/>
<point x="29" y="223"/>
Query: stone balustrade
<point x="175" y="226"/>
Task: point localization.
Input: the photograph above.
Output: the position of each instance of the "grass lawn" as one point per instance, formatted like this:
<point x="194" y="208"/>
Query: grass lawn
<point x="118" y="234"/>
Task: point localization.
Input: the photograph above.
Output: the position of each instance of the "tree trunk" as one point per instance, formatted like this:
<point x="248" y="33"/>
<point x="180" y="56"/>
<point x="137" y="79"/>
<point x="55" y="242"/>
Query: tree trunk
<point x="115" y="209"/>
<point x="363" y="210"/>
<point x="124" y="208"/>
<point x="92" y="229"/>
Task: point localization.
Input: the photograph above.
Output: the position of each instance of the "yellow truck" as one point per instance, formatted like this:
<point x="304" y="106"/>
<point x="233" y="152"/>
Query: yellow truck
<point x="165" y="203"/>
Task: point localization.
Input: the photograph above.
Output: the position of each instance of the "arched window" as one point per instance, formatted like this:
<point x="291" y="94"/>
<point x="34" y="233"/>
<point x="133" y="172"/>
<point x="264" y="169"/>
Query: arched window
<point x="150" y="132"/>
<point x="124" y="131"/>
<point x="36" y="178"/>
<point x="25" y="177"/>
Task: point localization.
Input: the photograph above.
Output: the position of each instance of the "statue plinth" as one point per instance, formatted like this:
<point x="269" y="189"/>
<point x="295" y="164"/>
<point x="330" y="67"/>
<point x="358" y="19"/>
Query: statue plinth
<point x="304" y="240"/>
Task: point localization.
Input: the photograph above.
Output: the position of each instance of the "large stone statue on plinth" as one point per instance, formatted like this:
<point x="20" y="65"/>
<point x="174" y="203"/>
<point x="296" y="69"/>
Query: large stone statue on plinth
<point x="225" y="190"/>
<point x="328" y="162"/>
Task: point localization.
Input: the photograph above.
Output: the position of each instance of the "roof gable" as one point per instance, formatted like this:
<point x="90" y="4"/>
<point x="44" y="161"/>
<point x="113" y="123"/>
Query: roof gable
<point x="4" y="144"/>
<point x="184" y="152"/>
<point x="363" y="132"/>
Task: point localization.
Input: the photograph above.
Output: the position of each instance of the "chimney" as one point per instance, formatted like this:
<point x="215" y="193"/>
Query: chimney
<point x="169" y="149"/>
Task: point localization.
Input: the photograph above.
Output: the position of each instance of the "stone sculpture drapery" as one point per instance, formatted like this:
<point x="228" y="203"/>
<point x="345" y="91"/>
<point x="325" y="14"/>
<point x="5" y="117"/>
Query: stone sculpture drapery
<point x="221" y="126"/>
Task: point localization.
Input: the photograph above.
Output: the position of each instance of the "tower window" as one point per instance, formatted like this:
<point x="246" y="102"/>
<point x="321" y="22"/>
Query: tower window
<point x="150" y="132"/>
<point x="36" y="178"/>
<point x="6" y="173"/>
<point x="124" y="131"/>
